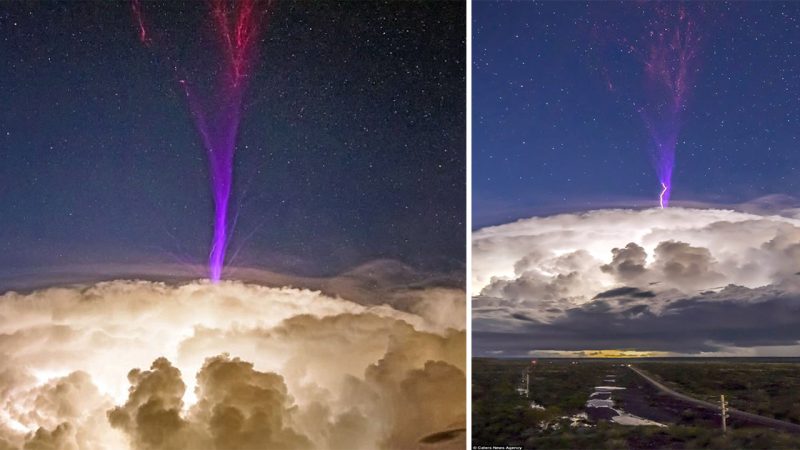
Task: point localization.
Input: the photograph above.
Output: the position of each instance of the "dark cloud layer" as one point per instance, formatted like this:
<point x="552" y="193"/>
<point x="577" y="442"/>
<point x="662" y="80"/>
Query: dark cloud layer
<point x="734" y="317"/>
<point x="625" y="292"/>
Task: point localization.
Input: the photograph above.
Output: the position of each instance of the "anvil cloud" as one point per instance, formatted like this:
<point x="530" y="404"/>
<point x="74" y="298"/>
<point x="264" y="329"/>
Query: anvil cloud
<point x="681" y="281"/>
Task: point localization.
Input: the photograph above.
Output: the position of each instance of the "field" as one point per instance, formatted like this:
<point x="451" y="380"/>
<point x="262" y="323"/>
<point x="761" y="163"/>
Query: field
<point x="560" y="389"/>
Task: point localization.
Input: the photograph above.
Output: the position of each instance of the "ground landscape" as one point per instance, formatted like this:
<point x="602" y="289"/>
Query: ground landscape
<point x="606" y="403"/>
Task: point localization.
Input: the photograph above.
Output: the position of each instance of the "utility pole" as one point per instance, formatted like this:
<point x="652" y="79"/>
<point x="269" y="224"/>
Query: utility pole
<point x="528" y="378"/>
<point x="724" y="408"/>
<point x="528" y="383"/>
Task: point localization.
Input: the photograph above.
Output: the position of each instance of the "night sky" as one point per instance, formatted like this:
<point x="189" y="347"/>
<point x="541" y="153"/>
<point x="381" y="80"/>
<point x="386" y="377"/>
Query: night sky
<point x="549" y="135"/>
<point x="351" y="148"/>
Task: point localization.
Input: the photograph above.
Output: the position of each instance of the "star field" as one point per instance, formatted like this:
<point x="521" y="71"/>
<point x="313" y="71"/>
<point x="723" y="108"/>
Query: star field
<point x="351" y="148"/>
<point x="551" y="134"/>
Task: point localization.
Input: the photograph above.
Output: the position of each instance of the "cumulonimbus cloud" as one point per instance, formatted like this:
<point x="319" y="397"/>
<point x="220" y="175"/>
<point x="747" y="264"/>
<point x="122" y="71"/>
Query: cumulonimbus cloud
<point x="559" y="282"/>
<point x="135" y="365"/>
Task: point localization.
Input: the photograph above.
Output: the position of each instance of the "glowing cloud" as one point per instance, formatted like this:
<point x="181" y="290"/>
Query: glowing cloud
<point x="628" y="279"/>
<point x="746" y="249"/>
<point x="139" y="365"/>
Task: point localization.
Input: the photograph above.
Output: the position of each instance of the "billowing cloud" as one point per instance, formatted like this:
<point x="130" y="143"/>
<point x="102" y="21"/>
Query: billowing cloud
<point x="239" y="408"/>
<point x="135" y="365"/>
<point x="627" y="263"/>
<point x="676" y="280"/>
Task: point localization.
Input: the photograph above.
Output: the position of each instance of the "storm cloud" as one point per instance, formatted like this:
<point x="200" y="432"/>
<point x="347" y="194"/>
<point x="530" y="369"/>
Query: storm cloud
<point x="137" y="365"/>
<point x="681" y="281"/>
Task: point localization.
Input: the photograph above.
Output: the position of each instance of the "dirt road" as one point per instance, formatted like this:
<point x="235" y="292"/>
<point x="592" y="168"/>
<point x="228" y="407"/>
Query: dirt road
<point x="750" y="417"/>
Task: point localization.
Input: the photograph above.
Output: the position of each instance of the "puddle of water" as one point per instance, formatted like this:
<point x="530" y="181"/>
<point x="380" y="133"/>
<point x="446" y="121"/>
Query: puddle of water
<point x="629" y="419"/>
<point x="600" y="403"/>
<point x="602" y="408"/>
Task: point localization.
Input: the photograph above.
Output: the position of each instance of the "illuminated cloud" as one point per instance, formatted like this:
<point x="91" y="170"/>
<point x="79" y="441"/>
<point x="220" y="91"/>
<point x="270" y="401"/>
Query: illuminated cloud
<point x="141" y="365"/>
<point x="676" y="280"/>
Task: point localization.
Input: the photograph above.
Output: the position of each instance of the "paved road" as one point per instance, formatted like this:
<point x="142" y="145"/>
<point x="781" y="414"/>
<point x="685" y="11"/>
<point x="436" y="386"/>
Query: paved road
<point x="732" y="412"/>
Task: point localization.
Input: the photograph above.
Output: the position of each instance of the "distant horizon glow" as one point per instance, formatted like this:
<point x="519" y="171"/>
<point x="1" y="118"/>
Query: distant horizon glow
<point x="603" y="353"/>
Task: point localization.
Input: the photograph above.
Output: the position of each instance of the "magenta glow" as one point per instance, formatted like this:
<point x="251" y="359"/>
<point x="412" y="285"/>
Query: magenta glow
<point x="670" y="60"/>
<point x="216" y="111"/>
<point x="237" y="26"/>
